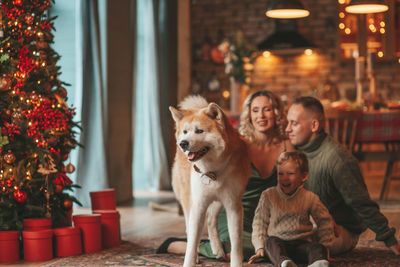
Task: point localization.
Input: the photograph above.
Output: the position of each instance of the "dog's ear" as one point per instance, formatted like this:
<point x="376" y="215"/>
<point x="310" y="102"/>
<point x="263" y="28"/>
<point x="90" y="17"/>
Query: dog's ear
<point x="215" y="113"/>
<point x="176" y="114"/>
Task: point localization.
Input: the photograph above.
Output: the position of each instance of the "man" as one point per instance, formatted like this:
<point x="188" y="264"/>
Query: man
<point x="335" y="176"/>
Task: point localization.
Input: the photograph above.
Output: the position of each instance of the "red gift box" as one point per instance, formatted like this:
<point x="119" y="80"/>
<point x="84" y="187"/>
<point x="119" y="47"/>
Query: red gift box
<point x="38" y="245"/>
<point x="9" y="246"/>
<point x="36" y="224"/>
<point x="109" y="227"/>
<point x="90" y="224"/>
<point x="67" y="241"/>
<point x="103" y="200"/>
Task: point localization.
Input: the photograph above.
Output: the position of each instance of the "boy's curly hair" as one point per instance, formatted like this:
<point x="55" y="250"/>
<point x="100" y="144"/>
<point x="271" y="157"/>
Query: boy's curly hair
<point x="297" y="156"/>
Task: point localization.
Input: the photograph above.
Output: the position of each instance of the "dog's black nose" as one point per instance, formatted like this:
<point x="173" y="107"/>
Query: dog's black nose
<point x="184" y="144"/>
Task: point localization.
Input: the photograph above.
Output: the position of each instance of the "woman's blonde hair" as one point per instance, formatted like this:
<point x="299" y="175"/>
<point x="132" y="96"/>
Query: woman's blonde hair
<point x="246" y="127"/>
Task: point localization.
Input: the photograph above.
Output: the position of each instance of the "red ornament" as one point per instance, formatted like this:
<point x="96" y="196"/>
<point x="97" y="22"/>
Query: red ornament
<point x="52" y="140"/>
<point x="5" y="83"/>
<point x="62" y="92"/>
<point x="9" y="182"/>
<point x="58" y="188"/>
<point x="41" y="44"/>
<point x="26" y="63"/>
<point x="61" y="179"/>
<point x="20" y="196"/>
<point x="70" y="168"/>
<point x="47" y="86"/>
<point x="29" y="19"/>
<point x="18" y="2"/>
<point x="9" y="157"/>
<point x="67" y="204"/>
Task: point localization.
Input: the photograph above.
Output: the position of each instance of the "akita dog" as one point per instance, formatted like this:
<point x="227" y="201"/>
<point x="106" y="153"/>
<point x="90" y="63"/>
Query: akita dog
<point x="211" y="169"/>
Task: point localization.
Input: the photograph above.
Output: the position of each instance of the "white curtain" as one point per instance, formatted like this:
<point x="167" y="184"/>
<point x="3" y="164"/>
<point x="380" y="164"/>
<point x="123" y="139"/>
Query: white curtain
<point x="92" y="168"/>
<point x="80" y="40"/>
<point x="150" y="164"/>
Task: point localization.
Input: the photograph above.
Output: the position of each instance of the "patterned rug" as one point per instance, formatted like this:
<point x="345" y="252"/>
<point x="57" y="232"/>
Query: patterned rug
<point x="367" y="253"/>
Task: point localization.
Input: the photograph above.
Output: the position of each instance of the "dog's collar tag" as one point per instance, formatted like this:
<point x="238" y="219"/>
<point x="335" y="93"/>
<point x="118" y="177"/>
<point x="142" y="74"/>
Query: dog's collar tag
<point x="207" y="177"/>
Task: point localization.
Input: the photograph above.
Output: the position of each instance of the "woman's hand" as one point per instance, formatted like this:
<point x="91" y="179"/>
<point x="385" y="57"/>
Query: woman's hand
<point x="259" y="254"/>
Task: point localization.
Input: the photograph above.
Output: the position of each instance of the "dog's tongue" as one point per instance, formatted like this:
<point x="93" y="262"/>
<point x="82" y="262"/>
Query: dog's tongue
<point x="191" y="155"/>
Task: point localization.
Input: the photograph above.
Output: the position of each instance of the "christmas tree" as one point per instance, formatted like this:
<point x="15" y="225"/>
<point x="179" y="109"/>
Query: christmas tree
<point x="37" y="127"/>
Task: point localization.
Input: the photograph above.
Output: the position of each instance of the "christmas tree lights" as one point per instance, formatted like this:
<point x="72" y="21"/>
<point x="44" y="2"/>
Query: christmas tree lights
<point x="37" y="127"/>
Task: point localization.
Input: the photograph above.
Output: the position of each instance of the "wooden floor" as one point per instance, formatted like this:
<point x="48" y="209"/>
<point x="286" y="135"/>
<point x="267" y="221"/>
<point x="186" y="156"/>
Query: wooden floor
<point x="141" y="219"/>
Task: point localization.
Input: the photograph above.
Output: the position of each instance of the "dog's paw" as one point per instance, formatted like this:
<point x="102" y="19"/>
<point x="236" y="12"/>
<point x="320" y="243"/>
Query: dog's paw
<point x="219" y="253"/>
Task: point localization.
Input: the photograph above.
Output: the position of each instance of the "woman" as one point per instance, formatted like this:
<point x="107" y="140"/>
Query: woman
<point x="262" y="125"/>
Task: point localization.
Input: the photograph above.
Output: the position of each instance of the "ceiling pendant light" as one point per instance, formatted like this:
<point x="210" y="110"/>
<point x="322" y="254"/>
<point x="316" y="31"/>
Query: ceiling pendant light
<point x="286" y="9"/>
<point x="366" y="6"/>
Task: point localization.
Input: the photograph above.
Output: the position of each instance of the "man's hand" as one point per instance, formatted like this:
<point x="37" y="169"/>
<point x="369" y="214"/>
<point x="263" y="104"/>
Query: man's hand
<point x="396" y="249"/>
<point x="259" y="254"/>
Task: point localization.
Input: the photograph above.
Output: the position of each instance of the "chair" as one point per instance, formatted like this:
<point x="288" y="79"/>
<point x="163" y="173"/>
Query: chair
<point x="341" y="124"/>
<point x="394" y="149"/>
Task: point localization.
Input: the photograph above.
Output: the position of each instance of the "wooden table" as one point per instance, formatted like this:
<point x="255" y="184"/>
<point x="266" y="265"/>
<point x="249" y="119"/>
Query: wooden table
<point x="380" y="127"/>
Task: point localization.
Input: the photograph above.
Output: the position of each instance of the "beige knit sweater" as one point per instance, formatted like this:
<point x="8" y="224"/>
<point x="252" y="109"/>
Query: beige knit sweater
<point x="288" y="217"/>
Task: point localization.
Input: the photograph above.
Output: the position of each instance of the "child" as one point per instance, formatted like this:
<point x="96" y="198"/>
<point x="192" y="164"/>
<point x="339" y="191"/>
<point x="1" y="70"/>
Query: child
<point x="282" y="226"/>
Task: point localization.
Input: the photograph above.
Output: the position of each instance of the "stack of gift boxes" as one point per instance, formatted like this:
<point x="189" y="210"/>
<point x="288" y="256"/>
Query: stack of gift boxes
<point x="89" y="233"/>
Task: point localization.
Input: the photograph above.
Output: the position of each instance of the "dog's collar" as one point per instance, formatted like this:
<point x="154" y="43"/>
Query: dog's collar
<point x="207" y="177"/>
<point x="211" y="175"/>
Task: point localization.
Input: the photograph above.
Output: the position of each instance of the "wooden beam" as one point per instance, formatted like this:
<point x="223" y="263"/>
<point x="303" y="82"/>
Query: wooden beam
<point x="184" y="49"/>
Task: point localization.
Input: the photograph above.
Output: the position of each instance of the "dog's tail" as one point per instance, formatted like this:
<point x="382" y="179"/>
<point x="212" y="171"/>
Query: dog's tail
<point x="193" y="102"/>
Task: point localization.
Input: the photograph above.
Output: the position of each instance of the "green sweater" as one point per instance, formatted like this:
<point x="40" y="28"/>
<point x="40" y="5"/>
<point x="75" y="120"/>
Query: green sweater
<point x="335" y="176"/>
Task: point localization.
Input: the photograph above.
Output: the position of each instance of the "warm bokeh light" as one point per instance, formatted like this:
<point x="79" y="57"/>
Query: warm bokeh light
<point x="341" y="15"/>
<point x="367" y="8"/>
<point x="341" y="26"/>
<point x="308" y="52"/>
<point x="372" y="28"/>
<point x="382" y="30"/>
<point x="287" y="13"/>
<point x="347" y="31"/>
<point x="226" y="94"/>
<point x="266" y="54"/>
<point x="380" y="54"/>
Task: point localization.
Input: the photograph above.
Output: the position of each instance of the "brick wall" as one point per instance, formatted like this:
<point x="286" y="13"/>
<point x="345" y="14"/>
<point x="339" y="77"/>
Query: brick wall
<point x="290" y="75"/>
